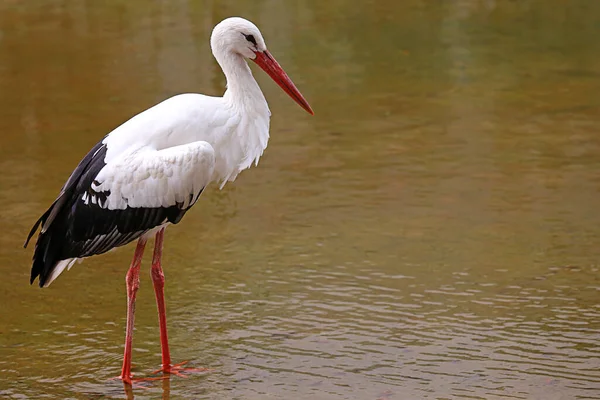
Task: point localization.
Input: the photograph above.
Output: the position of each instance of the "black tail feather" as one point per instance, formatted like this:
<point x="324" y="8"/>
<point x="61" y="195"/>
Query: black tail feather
<point x="45" y="256"/>
<point x="41" y="220"/>
<point x="42" y="256"/>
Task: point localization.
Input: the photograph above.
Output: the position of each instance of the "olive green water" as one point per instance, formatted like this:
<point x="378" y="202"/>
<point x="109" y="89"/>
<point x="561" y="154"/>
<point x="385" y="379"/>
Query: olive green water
<point x="432" y="232"/>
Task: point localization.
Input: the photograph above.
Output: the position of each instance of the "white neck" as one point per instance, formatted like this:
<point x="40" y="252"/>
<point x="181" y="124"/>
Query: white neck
<point x="247" y="140"/>
<point x="242" y="89"/>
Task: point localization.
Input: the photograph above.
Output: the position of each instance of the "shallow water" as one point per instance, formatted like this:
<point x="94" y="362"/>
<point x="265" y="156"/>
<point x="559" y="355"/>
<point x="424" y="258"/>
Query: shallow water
<point x="431" y="233"/>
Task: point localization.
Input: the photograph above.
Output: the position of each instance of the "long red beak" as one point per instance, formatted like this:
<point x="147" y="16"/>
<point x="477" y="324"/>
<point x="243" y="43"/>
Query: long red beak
<point x="265" y="60"/>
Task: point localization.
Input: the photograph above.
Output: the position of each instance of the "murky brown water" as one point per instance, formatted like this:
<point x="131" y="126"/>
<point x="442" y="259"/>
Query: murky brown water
<point x="433" y="232"/>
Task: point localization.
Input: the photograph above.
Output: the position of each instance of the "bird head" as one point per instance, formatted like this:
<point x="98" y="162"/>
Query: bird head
<point x="239" y="36"/>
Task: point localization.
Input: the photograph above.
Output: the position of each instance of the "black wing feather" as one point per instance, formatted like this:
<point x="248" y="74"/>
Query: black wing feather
<point x="69" y="186"/>
<point x="73" y="229"/>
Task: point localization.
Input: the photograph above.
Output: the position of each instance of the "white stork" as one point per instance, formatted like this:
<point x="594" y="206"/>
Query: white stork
<point x="148" y="172"/>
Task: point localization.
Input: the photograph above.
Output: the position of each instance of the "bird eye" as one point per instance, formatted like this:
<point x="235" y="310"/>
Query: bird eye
<point x="250" y="38"/>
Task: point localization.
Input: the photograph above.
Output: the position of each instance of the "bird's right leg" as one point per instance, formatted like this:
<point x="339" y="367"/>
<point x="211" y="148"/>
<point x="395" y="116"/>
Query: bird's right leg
<point x="158" y="278"/>
<point x="132" y="280"/>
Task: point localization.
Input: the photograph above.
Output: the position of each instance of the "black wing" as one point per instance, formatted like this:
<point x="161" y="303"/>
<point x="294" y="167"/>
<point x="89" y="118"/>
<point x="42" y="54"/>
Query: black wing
<point x="72" y="228"/>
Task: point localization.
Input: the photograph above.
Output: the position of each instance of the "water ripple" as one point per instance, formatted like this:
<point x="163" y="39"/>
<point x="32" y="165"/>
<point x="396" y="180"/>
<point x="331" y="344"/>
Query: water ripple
<point x="476" y="340"/>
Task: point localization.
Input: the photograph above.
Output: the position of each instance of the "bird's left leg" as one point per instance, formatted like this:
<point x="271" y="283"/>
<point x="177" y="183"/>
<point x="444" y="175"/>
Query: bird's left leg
<point x="158" y="279"/>
<point x="132" y="281"/>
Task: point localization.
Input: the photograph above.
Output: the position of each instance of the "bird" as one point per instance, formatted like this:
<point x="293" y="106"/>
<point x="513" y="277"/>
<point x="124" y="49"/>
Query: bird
<point x="147" y="173"/>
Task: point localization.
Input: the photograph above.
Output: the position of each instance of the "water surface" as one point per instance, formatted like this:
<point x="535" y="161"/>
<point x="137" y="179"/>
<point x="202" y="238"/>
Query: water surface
<point x="431" y="233"/>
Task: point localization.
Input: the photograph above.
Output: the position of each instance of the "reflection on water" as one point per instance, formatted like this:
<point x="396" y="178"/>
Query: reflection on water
<point x="431" y="233"/>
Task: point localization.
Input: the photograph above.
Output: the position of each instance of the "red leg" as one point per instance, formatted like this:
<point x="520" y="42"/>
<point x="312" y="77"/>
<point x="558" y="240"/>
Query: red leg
<point x="158" y="278"/>
<point x="132" y="280"/>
